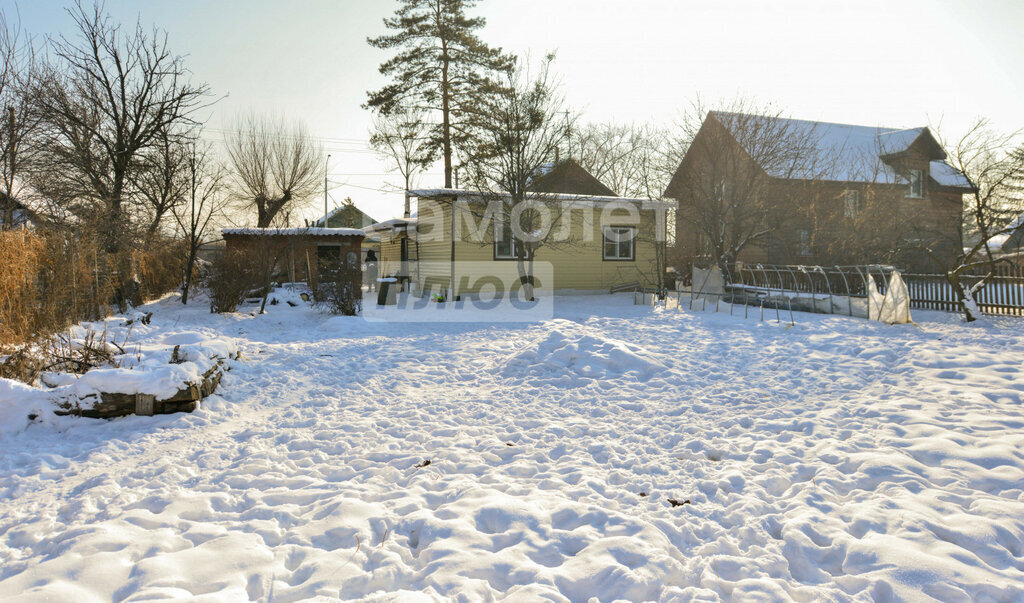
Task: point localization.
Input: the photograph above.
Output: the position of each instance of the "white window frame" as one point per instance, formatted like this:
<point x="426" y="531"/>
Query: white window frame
<point x="805" y="242"/>
<point x="851" y="203"/>
<point x="670" y="227"/>
<point x="514" y="246"/>
<point x="606" y="241"/>
<point x="919" y="192"/>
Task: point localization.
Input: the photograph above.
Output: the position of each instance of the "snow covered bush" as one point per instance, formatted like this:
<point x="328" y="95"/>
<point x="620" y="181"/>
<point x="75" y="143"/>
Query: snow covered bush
<point x="75" y="351"/>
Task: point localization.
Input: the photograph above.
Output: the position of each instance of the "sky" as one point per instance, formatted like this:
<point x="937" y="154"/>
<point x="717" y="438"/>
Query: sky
<point x="889" y="63"/>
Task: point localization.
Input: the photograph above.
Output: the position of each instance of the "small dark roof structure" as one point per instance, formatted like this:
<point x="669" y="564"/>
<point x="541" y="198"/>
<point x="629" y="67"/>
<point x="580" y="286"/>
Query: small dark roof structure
<point x="338" y="217"/>
<point x="21" y="215"/>
<point x="294" y="232"/>
<point x="568" y="176"/>
<point x="1014" y="242"/>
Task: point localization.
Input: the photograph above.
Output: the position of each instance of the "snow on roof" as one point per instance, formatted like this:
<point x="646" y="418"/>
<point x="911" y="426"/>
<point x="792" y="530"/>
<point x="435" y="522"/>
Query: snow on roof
<point x="947" y="175"/>
<point x="390" y="225"/>
<point x="891" y="142"/>
<point x="1013" y="240"/>
<point x="311" y="231"/>
<point x="839" y="152"/>
<point x="433" y="193"/>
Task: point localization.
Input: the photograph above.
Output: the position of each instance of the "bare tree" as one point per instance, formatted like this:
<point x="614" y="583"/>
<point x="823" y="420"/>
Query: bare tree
<point x="517" y="135"/>
<point x="107" y="98"/>
<point x="205" y="203"/>
<point x="722" y="184"/>
<point x="20" y="119"/>
<point x="633" y="160"/>
<point x="401" y="138"/>
<point x="636" y="161"/>
<point x="277" y="165"/>
<point x="993" y="164"/>
<point x="161" y="181"/>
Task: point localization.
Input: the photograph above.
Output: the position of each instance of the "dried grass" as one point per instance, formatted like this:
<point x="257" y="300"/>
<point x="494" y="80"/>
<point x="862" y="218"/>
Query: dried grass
<point x="50" y="280"/>
<point x="20" y="254"/>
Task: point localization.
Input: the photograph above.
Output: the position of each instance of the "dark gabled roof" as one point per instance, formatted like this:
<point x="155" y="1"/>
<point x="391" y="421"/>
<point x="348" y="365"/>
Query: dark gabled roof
<point x="569" y="177"/>
<point x="1015" y="237"/>
<point x="22" y="213"/>
<point x="336" y="216"/>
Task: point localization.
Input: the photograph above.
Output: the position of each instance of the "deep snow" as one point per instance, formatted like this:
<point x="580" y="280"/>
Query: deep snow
<point x="835" y="459"/>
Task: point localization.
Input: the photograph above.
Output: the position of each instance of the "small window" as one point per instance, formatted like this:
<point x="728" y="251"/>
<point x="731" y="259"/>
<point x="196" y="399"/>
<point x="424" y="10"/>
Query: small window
<point x="805" y="242"/>
<point x="670" y="227"/>
<point x="916" y="189"/>
<point x="619" y="243"/>
<point x="508" y="247"/>
<point x="851" y="203"/>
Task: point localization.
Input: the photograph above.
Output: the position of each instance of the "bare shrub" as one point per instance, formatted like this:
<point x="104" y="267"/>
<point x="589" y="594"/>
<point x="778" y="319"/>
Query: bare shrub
<point x="63" y="353"/>
<point x="231" y="276"/>
<point x="340" y="291"/>
<point x="161" y="267"/>
<point x="21" y="365"/>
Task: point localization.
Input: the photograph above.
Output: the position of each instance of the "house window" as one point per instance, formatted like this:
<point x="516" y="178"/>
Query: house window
<point x="670" y="227"/>
<point x="619" y="243"/>
<point x="851" y="203"/>
<point x="916" y="189"/>
<point x="805" y="242"/>
<point x="508" y="247"/>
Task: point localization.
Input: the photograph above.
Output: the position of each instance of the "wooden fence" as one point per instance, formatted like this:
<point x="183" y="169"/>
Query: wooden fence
<point x="1003" y="294"/>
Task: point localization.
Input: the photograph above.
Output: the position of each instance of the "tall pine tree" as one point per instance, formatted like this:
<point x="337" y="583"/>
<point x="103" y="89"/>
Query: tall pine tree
<point x="441" y="65"/>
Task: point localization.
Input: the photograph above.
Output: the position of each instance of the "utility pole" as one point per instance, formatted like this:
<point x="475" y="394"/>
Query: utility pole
<point x="326" y="161"/>
<point x="568" y="136"/>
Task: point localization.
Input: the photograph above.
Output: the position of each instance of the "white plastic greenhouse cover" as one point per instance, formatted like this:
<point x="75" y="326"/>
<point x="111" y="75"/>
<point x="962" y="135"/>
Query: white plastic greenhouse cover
<point x="892" y="308"/>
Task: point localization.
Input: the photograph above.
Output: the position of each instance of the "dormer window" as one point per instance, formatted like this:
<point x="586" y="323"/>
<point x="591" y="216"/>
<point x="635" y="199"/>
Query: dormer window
<point x="916" y="189"/>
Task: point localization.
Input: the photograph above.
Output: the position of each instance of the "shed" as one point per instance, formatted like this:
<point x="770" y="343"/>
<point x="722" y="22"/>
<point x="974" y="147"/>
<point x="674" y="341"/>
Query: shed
<point x="301" y="253"/>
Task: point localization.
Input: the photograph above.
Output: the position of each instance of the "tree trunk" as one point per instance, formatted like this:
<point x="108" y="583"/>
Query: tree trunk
<point x="446" y="131"/>
<point x="962" y="295"/>
<point x="189" y="265"/>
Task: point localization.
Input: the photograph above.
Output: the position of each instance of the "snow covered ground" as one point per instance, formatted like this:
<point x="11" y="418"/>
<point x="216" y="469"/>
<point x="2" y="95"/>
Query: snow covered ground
<point x="835" y="459"/>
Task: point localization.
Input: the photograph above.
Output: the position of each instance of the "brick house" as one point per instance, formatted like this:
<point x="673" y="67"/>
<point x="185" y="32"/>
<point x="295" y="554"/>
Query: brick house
<point x="786" y="191"/>
<point x="301" y="253"/>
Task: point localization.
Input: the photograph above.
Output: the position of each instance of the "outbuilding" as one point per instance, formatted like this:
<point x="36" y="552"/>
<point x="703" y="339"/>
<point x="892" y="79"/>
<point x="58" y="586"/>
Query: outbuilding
<point x="299" y="254"/>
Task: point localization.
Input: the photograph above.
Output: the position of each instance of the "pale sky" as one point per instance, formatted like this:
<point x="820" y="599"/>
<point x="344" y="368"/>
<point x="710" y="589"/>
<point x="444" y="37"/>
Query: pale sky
<point x="889" y="63"/>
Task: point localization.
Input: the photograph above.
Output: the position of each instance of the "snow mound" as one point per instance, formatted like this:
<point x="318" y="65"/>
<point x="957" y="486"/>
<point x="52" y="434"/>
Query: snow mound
<point x="17" y="402"/>
<point x="562" y="354"/>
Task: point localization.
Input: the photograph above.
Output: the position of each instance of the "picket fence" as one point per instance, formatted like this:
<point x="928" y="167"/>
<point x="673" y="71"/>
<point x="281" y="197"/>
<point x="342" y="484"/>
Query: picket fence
<point x="1002" y="295"/>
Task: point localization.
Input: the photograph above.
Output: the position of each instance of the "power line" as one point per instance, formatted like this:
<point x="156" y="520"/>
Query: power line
<point x="336" y="139"/>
